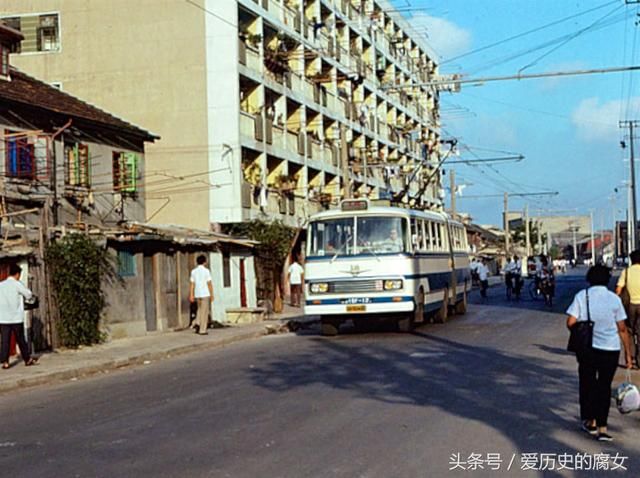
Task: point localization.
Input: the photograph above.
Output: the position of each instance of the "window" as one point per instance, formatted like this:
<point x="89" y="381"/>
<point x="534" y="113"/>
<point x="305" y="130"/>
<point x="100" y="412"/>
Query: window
<point x="77" y="165"/>
<point x="226" y="269"/>
<point x="126" y="264"/>
<point x="19" y="156"/>
<point x="41" y="32"/>
<point x="428" y="235"/>
<point x="26" y="156"/>
<point x="125" y="172"/>
<point x="47" y="33"/>
<point x="4" y="61"/>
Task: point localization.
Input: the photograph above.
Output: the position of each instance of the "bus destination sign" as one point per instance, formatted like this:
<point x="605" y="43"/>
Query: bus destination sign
<point x="355" y="205"/>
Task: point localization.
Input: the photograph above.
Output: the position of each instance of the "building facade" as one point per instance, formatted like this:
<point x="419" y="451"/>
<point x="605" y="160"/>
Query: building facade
<point x="71" y="168"/>
<point x="266" y="108"/>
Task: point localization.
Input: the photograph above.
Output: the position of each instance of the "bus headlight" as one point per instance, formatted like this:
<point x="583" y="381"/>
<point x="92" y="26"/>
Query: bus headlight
<point x="319" y="288"/>
<point x="392" y="284"/>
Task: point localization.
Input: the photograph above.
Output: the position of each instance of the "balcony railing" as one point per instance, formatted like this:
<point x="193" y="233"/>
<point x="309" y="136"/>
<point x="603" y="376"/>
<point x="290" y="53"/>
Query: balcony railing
<point x="247" y="124"/>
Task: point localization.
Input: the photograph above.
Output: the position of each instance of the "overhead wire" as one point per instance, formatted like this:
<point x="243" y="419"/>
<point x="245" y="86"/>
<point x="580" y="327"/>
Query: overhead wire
<point x="528" y="32"/>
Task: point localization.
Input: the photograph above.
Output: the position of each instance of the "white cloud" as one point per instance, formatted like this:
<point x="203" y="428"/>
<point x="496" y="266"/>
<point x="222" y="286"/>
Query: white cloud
<point x="555" y="82"/>
<point x="447" y="38"/>
<point x="596" y="121"/>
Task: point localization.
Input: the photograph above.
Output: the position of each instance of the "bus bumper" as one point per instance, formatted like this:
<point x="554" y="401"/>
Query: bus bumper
<point x="359" y="306"/>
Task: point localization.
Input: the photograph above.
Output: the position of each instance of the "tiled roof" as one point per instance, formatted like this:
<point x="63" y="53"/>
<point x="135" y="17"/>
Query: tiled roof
<point x="27" y="90"/>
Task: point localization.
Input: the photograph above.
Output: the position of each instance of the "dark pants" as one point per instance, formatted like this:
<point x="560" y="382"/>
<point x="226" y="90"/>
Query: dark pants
<point x="634" y="329"/>
<point x="18" y="329"/>
<point x="484" y="285"/>
<point x="596" y="370"/>
<point x="296" y="289"/>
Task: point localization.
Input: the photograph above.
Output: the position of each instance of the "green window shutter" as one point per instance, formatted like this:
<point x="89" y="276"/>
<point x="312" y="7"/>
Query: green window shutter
<point x="130" y="173"/>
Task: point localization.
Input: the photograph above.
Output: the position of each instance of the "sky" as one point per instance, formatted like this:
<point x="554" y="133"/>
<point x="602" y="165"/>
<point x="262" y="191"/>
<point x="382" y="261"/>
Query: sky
<point x="567" y="128"/>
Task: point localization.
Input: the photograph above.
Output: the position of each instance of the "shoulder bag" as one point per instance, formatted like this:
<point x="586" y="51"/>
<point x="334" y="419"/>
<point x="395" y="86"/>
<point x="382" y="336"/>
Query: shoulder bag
<point x="581" y="333"/>
<point x="624" y="293"/>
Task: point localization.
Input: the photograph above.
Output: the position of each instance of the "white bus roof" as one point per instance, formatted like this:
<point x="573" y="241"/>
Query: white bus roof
<point x="383" y="210"/>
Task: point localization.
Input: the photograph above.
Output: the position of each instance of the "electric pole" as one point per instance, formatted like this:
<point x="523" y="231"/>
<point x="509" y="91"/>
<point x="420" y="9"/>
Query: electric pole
<point x="593" y="248"/>
<point x="452" y="185"/>
<point x="506" y="225"/>
<point x="632" y="173"/>
<point x="526" y="230"/>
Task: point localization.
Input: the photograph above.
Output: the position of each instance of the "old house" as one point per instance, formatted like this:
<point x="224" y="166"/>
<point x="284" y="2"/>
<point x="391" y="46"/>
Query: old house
<point x="70" y="167"/>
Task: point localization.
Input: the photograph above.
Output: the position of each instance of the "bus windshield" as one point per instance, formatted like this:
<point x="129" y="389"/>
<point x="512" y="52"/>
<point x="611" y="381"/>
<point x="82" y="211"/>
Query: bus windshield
<point x="375" y="235"/>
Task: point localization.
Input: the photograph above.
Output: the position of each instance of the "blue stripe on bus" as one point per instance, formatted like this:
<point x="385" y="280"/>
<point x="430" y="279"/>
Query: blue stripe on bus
<point x="437" y="280"/>
<point x="372" y="300"/>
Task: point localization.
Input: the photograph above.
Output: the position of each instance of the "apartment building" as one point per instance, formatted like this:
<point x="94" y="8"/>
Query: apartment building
<point x="266" y="108"/>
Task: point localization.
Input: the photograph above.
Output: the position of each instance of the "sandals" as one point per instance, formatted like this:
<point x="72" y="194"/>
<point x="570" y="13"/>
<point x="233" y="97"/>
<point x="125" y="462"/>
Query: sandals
<point x="30" y="362"/>
<point x="5" y="366"/>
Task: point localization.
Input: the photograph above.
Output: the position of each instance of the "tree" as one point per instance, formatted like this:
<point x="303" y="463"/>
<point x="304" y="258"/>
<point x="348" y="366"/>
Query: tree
<point x="78" y="268"/>
<point x="518" y="235"/>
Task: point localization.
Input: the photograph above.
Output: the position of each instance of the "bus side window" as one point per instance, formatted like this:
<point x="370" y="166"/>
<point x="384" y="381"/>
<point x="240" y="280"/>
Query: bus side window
<point x="423" y="245"/>
<point x="428" y="236"/>
<point x="439" y="232"/>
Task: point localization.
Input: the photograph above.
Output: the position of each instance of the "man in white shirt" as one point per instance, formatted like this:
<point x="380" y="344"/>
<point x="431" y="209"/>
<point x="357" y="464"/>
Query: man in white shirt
<point x="483" y="275"/>
<point x="12" y="295"/>
<point x="296" y="279"/>
<point x="201" y="291"/>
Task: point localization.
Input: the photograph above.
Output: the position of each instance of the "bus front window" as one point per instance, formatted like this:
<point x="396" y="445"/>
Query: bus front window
<point x="331" y="236"/>
<point x="378" y="234"/>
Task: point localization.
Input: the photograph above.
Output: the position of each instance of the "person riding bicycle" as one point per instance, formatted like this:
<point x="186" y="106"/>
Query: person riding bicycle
<point x="544" y="275"/>
<point x="512" y="272"/>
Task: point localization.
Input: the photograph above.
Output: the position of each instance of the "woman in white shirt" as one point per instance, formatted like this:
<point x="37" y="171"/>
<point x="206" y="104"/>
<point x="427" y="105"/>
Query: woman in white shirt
<point x="597" y="367"/>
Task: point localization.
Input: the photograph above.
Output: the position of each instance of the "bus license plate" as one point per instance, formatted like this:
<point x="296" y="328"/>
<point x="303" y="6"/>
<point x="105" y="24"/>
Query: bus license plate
<point x="356" y="308"/>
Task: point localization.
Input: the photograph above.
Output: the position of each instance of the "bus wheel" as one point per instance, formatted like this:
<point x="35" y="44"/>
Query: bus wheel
<point x="406" y="323"/>
<point x="443" y="313"/>
<point x="328" y="328"/>
<point x="418" y="314"/>
<point x="461" y="307"/>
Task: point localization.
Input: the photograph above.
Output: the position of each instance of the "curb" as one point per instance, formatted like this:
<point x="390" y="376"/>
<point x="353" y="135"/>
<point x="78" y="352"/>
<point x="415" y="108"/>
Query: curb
<point x="86" y="371"/>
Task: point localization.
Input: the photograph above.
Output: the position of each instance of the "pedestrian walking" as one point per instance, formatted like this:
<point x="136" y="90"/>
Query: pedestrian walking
<point x="474" y="271"/>
<point x="201" y="293"/>
<point x="483" y="277"/>
<point x="12" y="296"/>
<point x="597" y="364"/>
<point x="629" y="281"/>
<point x="296" y="279"/>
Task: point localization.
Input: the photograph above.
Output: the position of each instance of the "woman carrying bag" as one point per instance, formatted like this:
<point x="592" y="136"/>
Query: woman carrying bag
<point x="596" y="322"/>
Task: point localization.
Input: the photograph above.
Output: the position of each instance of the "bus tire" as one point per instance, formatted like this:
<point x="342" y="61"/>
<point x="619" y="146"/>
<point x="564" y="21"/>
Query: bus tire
<point x="406" y="324"/>
<point x="461" y="307"/>
<point x="418" y="313"/>
<point x="328" y="329"/>
<point x="443" y="312"/>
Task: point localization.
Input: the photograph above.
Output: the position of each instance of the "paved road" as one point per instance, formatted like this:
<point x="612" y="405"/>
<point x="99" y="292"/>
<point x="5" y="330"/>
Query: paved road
<point x="380" y="404"/>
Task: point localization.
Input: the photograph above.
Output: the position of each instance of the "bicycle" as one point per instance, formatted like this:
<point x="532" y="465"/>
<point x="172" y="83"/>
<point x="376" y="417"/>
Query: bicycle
<point x="542" y="289"/>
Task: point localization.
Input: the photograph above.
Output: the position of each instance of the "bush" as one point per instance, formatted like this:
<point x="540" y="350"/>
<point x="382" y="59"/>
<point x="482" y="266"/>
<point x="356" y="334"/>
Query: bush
<point x="78" y="268"/>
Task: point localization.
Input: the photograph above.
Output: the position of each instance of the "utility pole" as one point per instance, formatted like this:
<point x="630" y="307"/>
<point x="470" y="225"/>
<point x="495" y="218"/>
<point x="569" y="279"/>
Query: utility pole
<point x="614" y="231"/>
<point x="593" y="248"/>
<point x="344" y="156"/>
<point x="632" y="172"/>
<point x="574" y="229"/>
<point x="540" y="237"/>
<point x="526" y="230"/>
<point x="452" y="185"/>
<point x="506" y="225"/>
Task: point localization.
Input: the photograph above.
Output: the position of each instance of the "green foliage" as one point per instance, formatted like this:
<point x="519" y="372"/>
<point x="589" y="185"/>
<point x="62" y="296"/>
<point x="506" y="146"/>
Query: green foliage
<point x="518" y="234"/>
<point x="275" y="240"/>
<point x="78" y="268"/>
<point x="274" y="237"/>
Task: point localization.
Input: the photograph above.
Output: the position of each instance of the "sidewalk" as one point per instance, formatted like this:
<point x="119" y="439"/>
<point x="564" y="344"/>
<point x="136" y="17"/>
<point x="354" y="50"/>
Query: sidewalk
<point x="69" y="364"/>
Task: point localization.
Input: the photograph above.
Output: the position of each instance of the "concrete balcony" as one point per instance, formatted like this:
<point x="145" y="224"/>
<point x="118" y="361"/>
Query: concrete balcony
<point x="247" y="125"/>
<point x="253" y="59"/>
